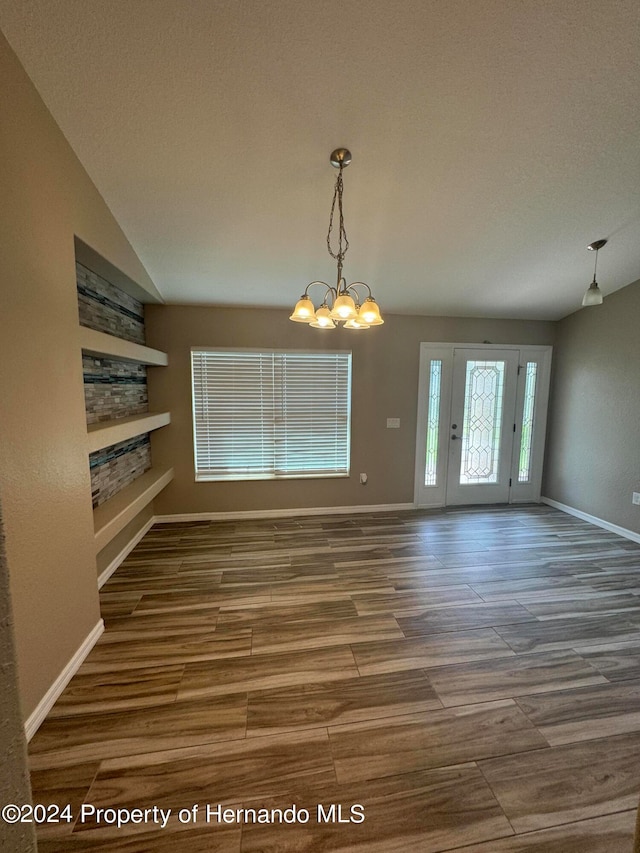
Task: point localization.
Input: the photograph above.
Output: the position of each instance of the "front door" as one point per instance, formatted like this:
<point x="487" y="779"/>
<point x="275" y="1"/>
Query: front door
<point x="481" y="424"/>
<point x="481" y="421"/>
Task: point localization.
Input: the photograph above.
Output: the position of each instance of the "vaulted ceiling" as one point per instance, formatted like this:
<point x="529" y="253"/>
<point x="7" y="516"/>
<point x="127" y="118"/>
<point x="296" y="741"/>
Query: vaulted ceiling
<point x="492" y="140"/>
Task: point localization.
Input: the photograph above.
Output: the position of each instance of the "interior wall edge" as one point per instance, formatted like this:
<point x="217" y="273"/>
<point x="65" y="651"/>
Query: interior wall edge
<point x="15" y="784"/>
<point x="36" y="718"/>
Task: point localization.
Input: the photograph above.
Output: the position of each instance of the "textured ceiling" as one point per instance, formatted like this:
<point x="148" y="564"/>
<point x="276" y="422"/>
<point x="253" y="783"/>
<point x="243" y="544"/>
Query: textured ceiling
<point x="492" y="140"/>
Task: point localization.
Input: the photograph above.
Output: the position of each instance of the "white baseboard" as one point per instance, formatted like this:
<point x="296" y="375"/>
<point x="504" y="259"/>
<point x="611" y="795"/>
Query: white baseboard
<point x="279" y="513"/>
<point x="593" y="519"/>
<point x="128" y="548"/>
<point x="47" y="702"/>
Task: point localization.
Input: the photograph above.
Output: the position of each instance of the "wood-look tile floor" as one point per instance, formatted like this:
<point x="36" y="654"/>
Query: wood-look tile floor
<point x="470" y="677"/>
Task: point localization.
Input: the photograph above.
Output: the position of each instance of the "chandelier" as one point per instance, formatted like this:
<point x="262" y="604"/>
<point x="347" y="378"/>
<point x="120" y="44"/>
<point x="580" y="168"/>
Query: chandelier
<point x="342" y="303"/>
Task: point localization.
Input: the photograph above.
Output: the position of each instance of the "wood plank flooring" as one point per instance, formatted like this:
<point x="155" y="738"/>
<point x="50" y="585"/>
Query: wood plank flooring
<point x="468" y="678"/>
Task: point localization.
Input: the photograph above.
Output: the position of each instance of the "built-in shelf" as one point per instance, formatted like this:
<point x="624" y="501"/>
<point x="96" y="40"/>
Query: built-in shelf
<point x="107" y="346"/>
<point x="106" y="433"/>
<point x="89" y="258"/>
<point x="113" y="516"/>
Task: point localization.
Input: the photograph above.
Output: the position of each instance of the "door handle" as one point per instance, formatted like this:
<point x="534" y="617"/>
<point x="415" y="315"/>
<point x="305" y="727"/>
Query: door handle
<point x="454" y="437"/>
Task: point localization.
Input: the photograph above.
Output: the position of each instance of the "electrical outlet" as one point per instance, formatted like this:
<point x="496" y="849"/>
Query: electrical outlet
<point x="363" y="479"/>
<point x="635" y="498"/>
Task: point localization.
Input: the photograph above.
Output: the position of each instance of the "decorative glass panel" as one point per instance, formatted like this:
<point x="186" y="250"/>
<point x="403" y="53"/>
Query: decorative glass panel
<point x="433" y="418"/>
<point x="484" y="391"/>
<point x="524" y="467"/>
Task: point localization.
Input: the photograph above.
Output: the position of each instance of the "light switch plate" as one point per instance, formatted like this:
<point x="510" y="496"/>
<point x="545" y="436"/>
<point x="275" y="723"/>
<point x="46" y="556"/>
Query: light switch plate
<point x="393" y="423"/>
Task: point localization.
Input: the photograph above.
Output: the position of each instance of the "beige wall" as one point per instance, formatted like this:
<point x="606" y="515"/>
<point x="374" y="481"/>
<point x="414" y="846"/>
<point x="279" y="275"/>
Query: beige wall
<point x="593" y="450"/>
<point x="44" y="476"/>
<point x="385" y="381"/>
<point x="14" y="778"/>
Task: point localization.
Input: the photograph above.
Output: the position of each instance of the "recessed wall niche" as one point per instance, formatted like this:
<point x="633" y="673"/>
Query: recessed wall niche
<point x="115" y="360"/>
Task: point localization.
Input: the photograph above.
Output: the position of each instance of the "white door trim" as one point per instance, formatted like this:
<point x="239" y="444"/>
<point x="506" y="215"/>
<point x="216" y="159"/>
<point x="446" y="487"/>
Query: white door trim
<point x="435" y="496"/>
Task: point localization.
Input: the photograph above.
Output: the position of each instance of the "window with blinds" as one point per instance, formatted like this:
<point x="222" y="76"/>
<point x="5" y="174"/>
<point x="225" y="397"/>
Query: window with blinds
<point x="266" y="415"/>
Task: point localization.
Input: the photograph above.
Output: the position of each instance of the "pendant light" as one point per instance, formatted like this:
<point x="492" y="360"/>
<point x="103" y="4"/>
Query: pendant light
<point x="593" y="296"/>
<point x="340" y="304"/>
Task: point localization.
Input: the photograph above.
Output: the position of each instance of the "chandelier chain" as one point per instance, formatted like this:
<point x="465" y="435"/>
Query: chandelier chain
<point x="343" y="242"/>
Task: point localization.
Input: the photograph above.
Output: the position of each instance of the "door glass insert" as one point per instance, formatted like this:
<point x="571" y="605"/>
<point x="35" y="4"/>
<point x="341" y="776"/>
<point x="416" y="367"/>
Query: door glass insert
<point x="483" y="399"/>
<point x="433" y="418"/>
<point x="524" y="466"/>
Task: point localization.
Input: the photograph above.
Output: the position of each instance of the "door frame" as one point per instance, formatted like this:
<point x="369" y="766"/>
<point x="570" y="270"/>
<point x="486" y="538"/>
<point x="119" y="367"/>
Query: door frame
<point x="435" y="496"/>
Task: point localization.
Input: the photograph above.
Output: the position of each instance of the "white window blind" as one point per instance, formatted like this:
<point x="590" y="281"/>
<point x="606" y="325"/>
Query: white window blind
<point x="262" y="415"/>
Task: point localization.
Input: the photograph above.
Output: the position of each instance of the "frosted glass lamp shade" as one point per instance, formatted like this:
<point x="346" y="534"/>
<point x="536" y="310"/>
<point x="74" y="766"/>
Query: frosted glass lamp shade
<point x="593" y="296"/>
<point x="304" y="311"/>
<point x="356" y="324"/>
<point x="344" y="308"/>
<point x="323" y="319"/>
<point x="370" y="313"/>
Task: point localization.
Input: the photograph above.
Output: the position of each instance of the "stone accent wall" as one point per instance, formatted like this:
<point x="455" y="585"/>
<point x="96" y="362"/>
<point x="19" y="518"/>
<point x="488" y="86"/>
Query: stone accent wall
<point x="113" y="389"/>
<point x="106" y="308"/>
<point x="115" y="467"/>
